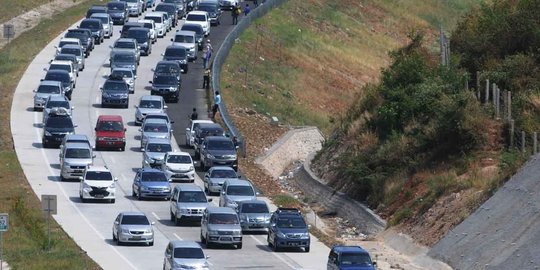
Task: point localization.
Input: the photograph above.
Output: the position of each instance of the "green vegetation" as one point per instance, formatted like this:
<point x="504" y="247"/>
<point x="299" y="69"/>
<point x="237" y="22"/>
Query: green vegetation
<point x="25" y="243"/>
<point x="285" y="201"/>
<point x="12" y="8"/>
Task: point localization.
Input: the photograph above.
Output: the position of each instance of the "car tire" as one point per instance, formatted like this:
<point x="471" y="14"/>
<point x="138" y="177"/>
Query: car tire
<point x="62" y="178"/>
<point x="151" y="243"/>
<point x="123" y="148"/>
<point x="239" y="246"/>
<point x="112" y="200"/>
<point x="177" y="221"/>
<point x="206" y="190"/>
<point x="268" y="241"/>
<point x="172" y="216"/>
<point x="133" y="194"/>
<point x="306" y="249"/>
<point x="274" y="246"/>
<point x="114" y="238"/>
<point x="139" y="196"/>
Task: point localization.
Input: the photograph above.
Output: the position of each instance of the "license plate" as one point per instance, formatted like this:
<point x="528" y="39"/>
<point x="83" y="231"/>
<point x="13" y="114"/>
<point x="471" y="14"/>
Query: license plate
<point x="109" y="143"/>
<point x="136" y="237"/>
<point x="99" y="196"/>
<point x="226" y="238"/>
<point x="293" y="244"/>
<point x="256" y="226"/>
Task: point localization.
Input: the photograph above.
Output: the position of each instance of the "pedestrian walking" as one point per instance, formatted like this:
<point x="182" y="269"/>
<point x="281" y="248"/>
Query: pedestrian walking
<point x="206" y="79"/>
<point x="247" y="9"/>
<point x="235" y="12"/>
<point x="194" y="114"/>
<point x="217" y="101"/>
<point x="206" y="58"/>
<point x="209" y="45"/>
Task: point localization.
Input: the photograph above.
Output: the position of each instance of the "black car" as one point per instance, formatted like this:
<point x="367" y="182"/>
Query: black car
<point x="167" y="86"/>
<point x="124" y="59"/>
<point x="214" y="12"/>
<point x="142" y="35"/>
<point x="218" y="151"/>
<point x="177" y="53"/>
<point x="170" y="9"/>
<point x="167" y="68"/>
<point x="96" y="9"/>
<point x="202" y="131"/>
<point x="85" y="36"/>
<point x="58" y="125"/>
<point x="199" y="32"/>
<point x="96" y="27"/>
<point x="129" y="25"/>
<point x="288" y="229"/>
<point x="118" y="11"/>
<point x="180" y="6"/>
<point x="115" y="92"/>
<point x="63" y="77"/>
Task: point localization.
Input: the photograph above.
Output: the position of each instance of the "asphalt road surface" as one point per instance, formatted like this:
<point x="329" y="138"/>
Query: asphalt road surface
<point x="90" y="224"/>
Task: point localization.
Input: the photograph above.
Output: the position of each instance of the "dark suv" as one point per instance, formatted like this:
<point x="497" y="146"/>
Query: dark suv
<point x="85" y="36"/>
<point x="115" y="92"/>
<point x="202" y="131"/>
<point x="166" y="68"/>
<point x="96" y="27"/>
<point x="58" y="125"/>
<point x="118" y="11"/>
<point x="177" y="53"/>
<point x="142" y="35"/>
<point x="170" y="9"/>
<point x="288" y="230"/>
<point x="167" y="86"/>
<point x="349" y="257"/>
<point x="218" y="151"/>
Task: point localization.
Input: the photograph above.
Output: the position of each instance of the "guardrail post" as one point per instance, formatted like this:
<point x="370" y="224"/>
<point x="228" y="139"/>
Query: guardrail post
<point x="486" y="97"/>
<point x="523" y="141"/>
<point x="512" y="123"/>
<point x="509" y="104"/>
<point x="535" y="148"/>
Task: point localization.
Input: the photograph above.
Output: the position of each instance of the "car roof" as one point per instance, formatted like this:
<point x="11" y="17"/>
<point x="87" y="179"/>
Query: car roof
<point x="217" y="138"/>
<point x="170" y="47"/>
<point x="100" y="14"/>
<point x="57" y="71"/>
<point x="155" y="121"/>
<point x="202" y="121"/>
<point x="76" y="137"/>
<point x="58" y="98"/>
<point x="72" y="46"/>
<point x="238" y="182"/>
<point x="61" y="62"/>
<point x="108" y="117"/>
<point x="179" y="153"/>
<point x="97" y="168"/>
<point x="157" y="114"/>
<point x="184" y="32"/>
<point x="158" y="140"/>
<point x="184" y="244"/>
<point x="223" y="210"/>
<point x="154" y="14"/>
<point x="125" y="40"/>
<point x="198" y="12"/>
<point x="148" y="97"/>
<point x="209" y="125"/>
<point x="252" y="202"/>
<point x="132" y="213"/>
<point x="122" y="69"/>
<point x="77" y="145"/>
<point x="145" y="21"/>
<point x="71" y="39"/>
<point x="91" y="20"/>
<point x="221" y="168"/>
<point x="188" y="187"/>
<point x="341" y="248"/>
<point x="52" y="83"/>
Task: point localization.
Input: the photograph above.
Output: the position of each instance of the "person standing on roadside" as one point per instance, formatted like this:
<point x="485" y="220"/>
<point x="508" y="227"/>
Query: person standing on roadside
<point x="247" y="10"/>
<point x="235" y="12"/>
<point x="217" y="101"/>
<point x="194" y="114"/>
<point x="209" y="46"/>
<point x="206" y="59"/>
<point x="206" y="79"/>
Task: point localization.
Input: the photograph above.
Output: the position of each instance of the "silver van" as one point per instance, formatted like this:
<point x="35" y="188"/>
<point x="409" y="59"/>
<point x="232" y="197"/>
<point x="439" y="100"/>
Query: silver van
<point x="188" y="40"/>
<point x="221" y="225"/>
<point x="188" y="202"/>
<point x="74" y="159"/>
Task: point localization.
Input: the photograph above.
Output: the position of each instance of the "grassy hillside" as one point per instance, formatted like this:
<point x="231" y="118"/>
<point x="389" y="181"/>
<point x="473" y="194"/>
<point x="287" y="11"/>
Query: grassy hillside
<point x="12" y="8"/>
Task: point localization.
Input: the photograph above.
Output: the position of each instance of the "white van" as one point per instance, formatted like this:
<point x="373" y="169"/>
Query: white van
<point x="159" y="21"/>
<point x="188" y="40"/>
<point x="98" y="183"/>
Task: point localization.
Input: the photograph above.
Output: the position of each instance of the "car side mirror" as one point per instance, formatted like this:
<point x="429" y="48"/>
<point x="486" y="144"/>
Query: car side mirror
<point x="188" y="129"/>
<point x="94" y="156"/>
<point x="45" y="69"/>
<point x="162" y="54"/>
<point x="125" y="129"/>
<point x="135" y="77"/>
<point x="41" y="79"/>
<point x="34" y="90"/>
<point x="75" y="125"/>
<point x="140" y="129"/>
<point x="150" y="82"/>
<point x="153" y="222"/>
<point x="165" y="107"/>
<point x="115" y="179"/>
<point x="136" y="106"/>
<point x="168" y="255"/>
<point x="95" y="129"/>
<point x="374" y="263"/>
<point x="116" y="222"/>
<point x="257" y="193"/>
<point x="73" y="107"/>
<point x="223" y="192"/>
<point x="172" y="122"/>
<point x="239" y="176"/>
<point x="207" y="257"/>
<point x="110" y="47"/>
<point x="153" y="70"/>
<point x="210" y="200"/>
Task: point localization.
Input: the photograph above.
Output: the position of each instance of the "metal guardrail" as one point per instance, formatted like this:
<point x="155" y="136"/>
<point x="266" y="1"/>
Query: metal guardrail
<point x="243" y="23"/>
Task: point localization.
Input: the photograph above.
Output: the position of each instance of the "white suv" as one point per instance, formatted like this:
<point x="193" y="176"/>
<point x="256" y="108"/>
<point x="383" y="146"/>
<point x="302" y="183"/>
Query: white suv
<point x="98" y="183"/>
<point x="201" y="18"/>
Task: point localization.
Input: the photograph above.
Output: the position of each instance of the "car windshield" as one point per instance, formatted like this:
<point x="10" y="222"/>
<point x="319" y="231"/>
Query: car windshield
<point x="156" y="19"/>
<point x="62" y="43"/>
<point x="59" y="122"/>
<point x="240" y="191"/>
<point x="73" y="51"/>
<point x="195" y="28"/>
<point x="122" y="73"/>
<point x="357" y="259"/>
<point x="171" y="80"/>
<point x="66" y="57"/>
<point x="184" y="39"/>
<point x="207" y="8"/>
<point x="77" y="153"/>
<point x="125" y="45"/>
<point x="140" y="35"/>
<point x="48" y="89"/>
<point x="60" y="67"/>
<point x="124" y="57"/>
<point x="191" y="196"/>
<point x="99" y="176"/>
<point x="154" y="177"/>
<point x="223" y="219"/>
<point x="57" y="103"/>
<point x="291" y="222"/>
<point x="223" y="174"/>
<point x="110" y="126"/>
<point x="81" y="36"/>
<point x="254" y="208"/>
<point x="94" y="25"/>
<point x="115" y="86"/>
<point x="155" y="128"/>
<point x="178" y="52"/>
<point x="180" y="159"/>
<point x="115" y="6"/>
<point x="131" y="1"/>
<point x="188" y="253"/>
<point x="135" y="220"/>
<point x="220" y="145"/>
<point x="150" y="104"/>
<point x="196" y="17"/>
<point x="168" y="69"/>
<point x="61" y="77"/>
<point x="159" y="147"/>
<point x="157" y="116"/>
<point x="148" y="25"/>
<point x="103" y="20"/>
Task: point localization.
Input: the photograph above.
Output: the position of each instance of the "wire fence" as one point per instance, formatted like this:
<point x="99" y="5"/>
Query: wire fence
<point x="221" y="56"/>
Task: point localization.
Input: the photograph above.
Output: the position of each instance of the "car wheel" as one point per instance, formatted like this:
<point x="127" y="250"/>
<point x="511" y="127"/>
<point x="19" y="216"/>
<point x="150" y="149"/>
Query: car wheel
<point x="112" y="200"/>
<point x="208" y="243"/>
<point x="172" y="216"/>
<point x="206" y="190"/>
<point x="151" y="243"/>
<point x="239" y="246"/>
<point x="123" y="148"/>
<point x="133" y="194"/>
<point x="268" y="241"/>
<point x="62" y="178"/>
<point x="274" y="245"/>
<point x="139" y="195"/>
<point x="114" y="237"/>
<point x="177" y="221"/>
<point x="306" y="249"/>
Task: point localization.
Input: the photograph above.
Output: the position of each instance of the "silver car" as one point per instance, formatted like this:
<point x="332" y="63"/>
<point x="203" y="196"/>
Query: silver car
<point x="234" y="191"/>
<point x="147" y="105"/>
<point x="56" y="101"/>
<point x="44" y="90"/>
<point x="125" y="45"/>
<point x="128" y="76"/>
<point x="133" y="227"/>
<point x="187" y="203"/>
<point x="184" y="255"/>
<point x="76" y="50"/>
<point x="188" y="40"/>
<point x="74" y="159"/>
<point x="154" y="152"/>
<point x="221" y="225"/>
<point x="154" y="128"/>
<point x="106" y="21"/>
<point x="216" y="176"/>
<point x="190" y="131"/>
<point x="75" y="138"/>
<point x="254" y="216"/>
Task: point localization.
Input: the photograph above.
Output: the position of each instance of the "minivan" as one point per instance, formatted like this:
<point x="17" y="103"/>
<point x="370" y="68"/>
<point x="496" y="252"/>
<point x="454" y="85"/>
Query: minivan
<point x="199" y="32"/>
<point x="110" y="132"/>
<point x="188" y="202"/>
<point x="349" y="257"/>
<point x="236" y="190"/>
<point x="221" y="225"/>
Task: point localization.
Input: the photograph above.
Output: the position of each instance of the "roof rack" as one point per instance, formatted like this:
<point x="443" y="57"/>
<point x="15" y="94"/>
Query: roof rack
<point x="285" y="210"/>
<point x="58" y="111"/>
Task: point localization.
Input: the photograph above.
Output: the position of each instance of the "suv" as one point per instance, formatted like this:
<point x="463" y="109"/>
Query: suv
<point x="177" y="53"/>
<point x="127" y="26"/>
<point x="201" y="18"/>
<point x="202" y="131"/>
<point x="187" y="40"/>
<point x="58" y="124"/>
<point x="190" y="131"/>
<point x="75" y="138"/>
<point x="214" y="12"/>
<point x="167" y="86"/>
<point x="150" y="25"/>
<point x="55" y="102"/>
<point x="154" y="128"/>
<point x="288" y="229"/>
<point x="254" y="216"/>
<point x="147" y="105"/>
<point x="97" y="183"/>
<point x="220" y="225"/>
<point x="44" y="90"/>
<point x="74" y="158"/>
<point x="171" y="11"/>
<point x="234" y="191"/>
<point x="110" y="132"/>
<point x="115" y="92"/>
<point x="216" y="176"/>
<point x="76" y="51"/>
<point x="124" y="59"/>
<point x="95" y="9"/>
<point x="151" y="183"/>
<point x="134" y="7"/>
<point x="154" y="152"/>
<point x="63" y="77"/>
<point x="96" y="27"/>
<point x="142" y="35"/>
<point x="164" y="68"/>
<point x="180" y="6"/>
<point x="218" y="151"/>
<point x="349" y="257"/>
<point x="107" y="22"/>
<point x="85" y="36"/>
<point x="64" y="65"/>
<point x="187" y="202"/>
<point x="187" y="254"/>
<point x="179" y="166"/>
<point x="118" y="11"/>
<point x="125" y="44"/>
<point x="199" y="33"/>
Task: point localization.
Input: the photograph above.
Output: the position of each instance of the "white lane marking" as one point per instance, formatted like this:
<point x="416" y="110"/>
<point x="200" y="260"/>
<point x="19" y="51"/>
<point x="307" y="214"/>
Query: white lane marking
<point x="72" y="203"/>
<point x="275" y="254"/>
<point x="156" y="216"/>
<point x="112" y="159"/>
<point x="177" y="237"/>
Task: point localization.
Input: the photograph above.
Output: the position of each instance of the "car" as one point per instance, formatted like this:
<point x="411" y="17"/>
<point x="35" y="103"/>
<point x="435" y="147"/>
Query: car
<point x="171" y="10"/>
<point x="135" y="7"/>
<point x="254" y="216"/>
<point x="187" y="203"/>
<point x="202" y="131"/>
<point x="64" y="65"/>
<point x="343" y="257"/>
<point x="97" y="183"/>
<point x="228" y="4"/>
<point x="236" y="190"/>
<point x="166" y="86"/>
<point x="133" y="227"/>
<point x="147" y="105"/>
<point x="151" y="183"/>
<point x="152" y="27"/>
<point x="190" y="131"/>
<point x="180" y="6"/>
<point x="186" y="39"/>
<point x="220" y="225"/>
<point x="159" y="20"/>
<point x="63" y="77"/>
<point x="184" y="255"/>
<point x="164" y="68"/>
<point x="177" y="53"/>
<point x="168" y="20"/>
<point x="76" y="51"/>
<point x="58" y="125"/>
<point x="107" y="23"/>
<point x="163" y="116"/>
<point x="191" y="5"/>
<point x="76" y="138"/>
<point x="216" y="176"/>
<point x="213" y="10"/>
<point x="85" y="35"/>
<point x="178" y="166"/>
<point x="56" y="101"/>
<point x="69" y="57"/>
<point x="288" y="229"/>
<point x="65" y="41"/>
<point x="142" y="35"/>
<point x="201" y="18"/>
<point x="115" y="92"/>
<point x="96" y="9"/>
<point x="74" y="159"/>
<point x="218" y="151"/>
<point x="44" y="90"/>
<point x="96" y="27"/>
<point x="118" y="10"/>
<point x="154" y="152"/>
<point x="110" y="132"/>
<point x="154" y="128"/>
<point x="125" y="45"/>
<point x="128" y="76"/>
<point x="124" y="59"/>
<point x="127" y="26"/>
<point x="199" y="33"/>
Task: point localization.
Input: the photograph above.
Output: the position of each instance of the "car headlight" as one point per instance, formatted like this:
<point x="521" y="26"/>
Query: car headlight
<point x="144" y="188"/>
<point x="214" y="184"/>
<point x="113" y="185"/>
<point x="237" y="233"/>
<point x="281" y="235"/>
<point x="305" y="235"/>
<point x="86" y="186"/>
<point x="125" y="230"/>
<point x="148" y="230"/>
<point x="212" y="232"/>
<point x="47" y="133"/>
<point x="209" y="156"/>
<point x="191" y="168"/>
<point x="172" y="89"/>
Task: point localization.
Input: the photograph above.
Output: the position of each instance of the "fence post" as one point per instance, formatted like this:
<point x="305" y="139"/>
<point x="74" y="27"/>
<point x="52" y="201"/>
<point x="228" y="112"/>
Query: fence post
<point x="493" y="92"/>
<point x="523" y="141"/>
<point x="486" y="98"/>
<point x="512" y="133"/>
<point x="535" y="137"/>
<point x="478" y="84"/>
<point x="509" y="106"/>
<point x="497" y="102"/>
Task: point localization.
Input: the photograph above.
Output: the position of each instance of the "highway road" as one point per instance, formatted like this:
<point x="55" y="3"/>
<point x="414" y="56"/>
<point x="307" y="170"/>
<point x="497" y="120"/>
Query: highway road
<point x="90" y="224"/>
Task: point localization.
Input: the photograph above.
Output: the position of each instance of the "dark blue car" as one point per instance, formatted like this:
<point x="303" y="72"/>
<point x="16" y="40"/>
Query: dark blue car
<point x="151" y="183"/>
<point x="350" y="258"/>
<point x="288" y="229"/>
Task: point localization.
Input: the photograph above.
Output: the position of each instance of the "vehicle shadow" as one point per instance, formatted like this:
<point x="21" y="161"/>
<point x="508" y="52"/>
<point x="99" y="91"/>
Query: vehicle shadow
<point x="149" y="88"/>
<point x="53" y="178"/>
<point x="183" y="224"/>
<point x="131" y="124"/>
<point x="37" y="145"/>
<point x="136" y="149"/>
<point x="37" y="125"/>
<point x="281" y="250"/>
<point x="96" y="105"/>
<point x="30" y="109"/>
<point x="55" y="166"/>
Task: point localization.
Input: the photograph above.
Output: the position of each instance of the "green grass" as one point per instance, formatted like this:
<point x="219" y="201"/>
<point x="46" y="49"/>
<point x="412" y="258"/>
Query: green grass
<point x="285" y="201"/>
<point x="25" y="243"/>
<point x="12" y="8"/>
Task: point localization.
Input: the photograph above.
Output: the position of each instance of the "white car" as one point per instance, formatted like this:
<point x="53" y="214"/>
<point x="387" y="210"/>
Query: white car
<point x="160" y="22"/>
<point x="201" y="18"/>
<point x="179" y="166"/>
<point x="190" y="131"/>
<point x="64" y="65"/>
<point x="97" y="183"/>
<point x="107" y="22"/>
<point x="152" y="26"/>
<point x="65" y="41"/>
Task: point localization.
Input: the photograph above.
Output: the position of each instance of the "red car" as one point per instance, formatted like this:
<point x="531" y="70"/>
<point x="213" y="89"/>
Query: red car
<point x="110" y="132"/>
